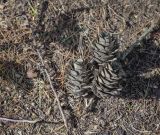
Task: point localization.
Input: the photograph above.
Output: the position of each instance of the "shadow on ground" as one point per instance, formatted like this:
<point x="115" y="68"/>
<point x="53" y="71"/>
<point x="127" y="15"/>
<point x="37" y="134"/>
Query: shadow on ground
<point x="143" y="67"/>
<point x="63" y="28"/>
<point x="15" y="73"/>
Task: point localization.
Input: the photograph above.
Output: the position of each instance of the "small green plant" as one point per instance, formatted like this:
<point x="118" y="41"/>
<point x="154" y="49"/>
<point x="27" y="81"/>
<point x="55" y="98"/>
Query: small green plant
<point x="33" y="10"/>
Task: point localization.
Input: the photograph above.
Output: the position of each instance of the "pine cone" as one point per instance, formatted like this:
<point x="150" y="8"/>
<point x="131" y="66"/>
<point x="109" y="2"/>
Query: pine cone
<point x="109" y="73"/>
<point x="79" y="78"/>
<point x="107" y="81"/>
<point x="105" y="49"/>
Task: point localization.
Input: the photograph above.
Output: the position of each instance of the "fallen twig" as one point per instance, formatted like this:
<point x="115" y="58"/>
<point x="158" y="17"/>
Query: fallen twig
<point x="20" y="121"/>
<point x="122" y="18"/>
<point x="56" y="96"/>
<point x="135" y="44"/>
<point x="140" y="131"/>
<point x="60" y="1"/>
<point x="49" y="79"/>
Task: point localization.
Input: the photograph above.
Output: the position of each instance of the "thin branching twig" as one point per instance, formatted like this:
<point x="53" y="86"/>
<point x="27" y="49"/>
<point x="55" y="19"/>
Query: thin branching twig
<point x="49" y="78"/>
<point x="56" y="96"/>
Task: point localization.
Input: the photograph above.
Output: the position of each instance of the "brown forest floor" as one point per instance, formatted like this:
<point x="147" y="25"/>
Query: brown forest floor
<point x="56" y="25"/>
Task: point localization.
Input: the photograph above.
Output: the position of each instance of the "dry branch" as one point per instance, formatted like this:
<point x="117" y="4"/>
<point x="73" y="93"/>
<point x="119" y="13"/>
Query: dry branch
<point x="19" y="121"/>
<point x="56" y="96"/>
<point x="49" y="78"/>
<point x="137" y="43"/>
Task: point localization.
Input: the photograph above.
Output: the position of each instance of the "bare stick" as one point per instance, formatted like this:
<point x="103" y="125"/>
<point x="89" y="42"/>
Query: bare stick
<point x="20" y="121"/>
<point x="135" y="44"/>
<point x="49" y="79"/>
<point x="123" y="20"/>
<point x="56" y="96"/>
<point x="60" y="1"/>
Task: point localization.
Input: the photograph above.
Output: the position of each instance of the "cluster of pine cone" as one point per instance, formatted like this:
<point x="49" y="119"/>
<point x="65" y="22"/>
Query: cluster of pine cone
<point x="103" y="75"/>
